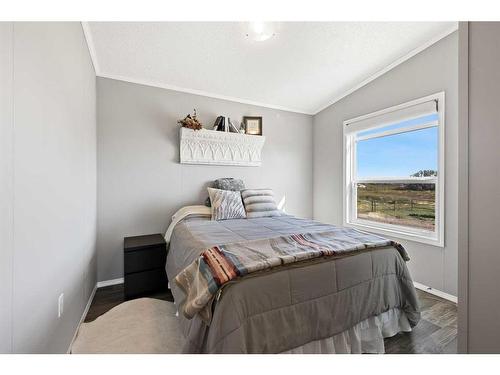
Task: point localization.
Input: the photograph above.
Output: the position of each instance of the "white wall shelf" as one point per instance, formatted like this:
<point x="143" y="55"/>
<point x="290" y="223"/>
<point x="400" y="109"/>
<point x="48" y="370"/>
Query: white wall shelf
<point x="220" y="148"/>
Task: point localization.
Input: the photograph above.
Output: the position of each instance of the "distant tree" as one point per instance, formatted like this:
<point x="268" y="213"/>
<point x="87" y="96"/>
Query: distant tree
<point x="421" y="173"/>
<point x="418" y="187"/>
<point x="425" y="173"/>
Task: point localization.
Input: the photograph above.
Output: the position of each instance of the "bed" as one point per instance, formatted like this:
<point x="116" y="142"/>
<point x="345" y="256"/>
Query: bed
<point x="341" y="304"/>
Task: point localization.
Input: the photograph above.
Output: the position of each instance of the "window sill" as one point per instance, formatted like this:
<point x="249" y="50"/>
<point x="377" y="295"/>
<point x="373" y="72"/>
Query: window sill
<point x="396" y="233"/>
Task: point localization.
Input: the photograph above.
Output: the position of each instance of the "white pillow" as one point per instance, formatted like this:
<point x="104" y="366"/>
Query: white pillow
<point x="226" y="204"/>
<point x="185" y="212"/>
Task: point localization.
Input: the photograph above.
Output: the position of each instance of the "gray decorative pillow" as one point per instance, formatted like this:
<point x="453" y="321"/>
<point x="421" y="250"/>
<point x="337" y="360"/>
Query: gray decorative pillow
<point x="233" y="184"/>
<point x="227" y="183"/>
<point x="260" y="203"/>
<point x="226" y="204"/>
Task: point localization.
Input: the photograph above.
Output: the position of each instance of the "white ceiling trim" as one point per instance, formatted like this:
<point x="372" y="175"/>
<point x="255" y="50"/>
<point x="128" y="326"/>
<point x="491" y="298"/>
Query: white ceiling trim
<point x="99" y="73"/>
<point x="93" y="55"/>
<point x="390" y="67"/>
<point x="90" y="45"/>
<point x="199" y="92"/>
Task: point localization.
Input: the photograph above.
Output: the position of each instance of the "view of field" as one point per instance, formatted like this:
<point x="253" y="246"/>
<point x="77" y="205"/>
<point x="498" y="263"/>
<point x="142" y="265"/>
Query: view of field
<point x="411" y="205"/>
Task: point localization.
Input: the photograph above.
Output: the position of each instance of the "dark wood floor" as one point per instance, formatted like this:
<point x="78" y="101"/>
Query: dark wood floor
<point x="435" y="333"/>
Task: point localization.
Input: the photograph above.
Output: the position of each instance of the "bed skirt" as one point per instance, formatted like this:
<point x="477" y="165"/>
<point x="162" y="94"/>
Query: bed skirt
<point x="365" y="337"/>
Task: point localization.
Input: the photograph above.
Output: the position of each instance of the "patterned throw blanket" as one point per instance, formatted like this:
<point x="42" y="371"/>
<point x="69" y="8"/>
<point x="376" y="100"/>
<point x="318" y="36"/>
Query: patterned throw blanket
<point x="218" y="265"/>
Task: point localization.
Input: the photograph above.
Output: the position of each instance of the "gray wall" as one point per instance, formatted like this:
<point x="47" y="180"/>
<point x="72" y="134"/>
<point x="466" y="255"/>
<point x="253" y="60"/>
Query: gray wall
<point x="6" y="187"/>
<point x="140" y="181"/>
<point x="484" y="192"/>
<point x="434" y="69"/>
<point x="49" y="170"/>
<point x="463" y="185"/>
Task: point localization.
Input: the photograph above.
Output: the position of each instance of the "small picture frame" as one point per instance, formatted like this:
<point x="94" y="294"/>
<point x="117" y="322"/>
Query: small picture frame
<point x="253" y="125"/>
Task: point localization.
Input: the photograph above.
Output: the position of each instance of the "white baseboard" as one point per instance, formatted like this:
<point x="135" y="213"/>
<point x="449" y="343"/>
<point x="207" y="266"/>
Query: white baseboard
<point x="87" y="307"/>
<point x="100" y="284"/>
<point x="104" y="283"/>
<point x="436" y="292"/>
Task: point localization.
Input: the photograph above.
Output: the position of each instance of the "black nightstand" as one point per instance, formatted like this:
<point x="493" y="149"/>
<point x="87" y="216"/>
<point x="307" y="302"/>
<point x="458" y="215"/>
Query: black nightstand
<point x="144" y="265"/>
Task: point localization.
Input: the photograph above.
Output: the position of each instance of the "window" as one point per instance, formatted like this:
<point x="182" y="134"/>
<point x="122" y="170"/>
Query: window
<point x="394" y="169"/>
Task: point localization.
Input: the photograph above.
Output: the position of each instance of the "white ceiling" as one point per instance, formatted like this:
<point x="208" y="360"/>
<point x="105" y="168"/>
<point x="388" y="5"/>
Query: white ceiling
<point x="305" y="67"/>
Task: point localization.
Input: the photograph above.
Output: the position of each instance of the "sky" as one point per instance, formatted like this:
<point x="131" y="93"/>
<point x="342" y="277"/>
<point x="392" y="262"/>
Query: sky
<point x="398" y="155"/>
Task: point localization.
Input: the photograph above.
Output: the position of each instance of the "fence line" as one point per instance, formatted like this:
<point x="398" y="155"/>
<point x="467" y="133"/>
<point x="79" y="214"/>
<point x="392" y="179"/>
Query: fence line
<point x="412" y="203"/>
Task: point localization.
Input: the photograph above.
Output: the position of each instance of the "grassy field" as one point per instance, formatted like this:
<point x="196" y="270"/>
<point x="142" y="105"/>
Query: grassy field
<point x="400" y="204"/>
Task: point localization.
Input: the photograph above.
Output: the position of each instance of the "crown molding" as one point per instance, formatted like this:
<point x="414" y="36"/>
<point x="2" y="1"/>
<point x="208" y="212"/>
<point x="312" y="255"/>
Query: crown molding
<point x="91" y="46"/>
<point x="152" y="83"/>
<point x="93" y="55"/>
<point x="389" y="67"/>
<point x="162" y="85"/>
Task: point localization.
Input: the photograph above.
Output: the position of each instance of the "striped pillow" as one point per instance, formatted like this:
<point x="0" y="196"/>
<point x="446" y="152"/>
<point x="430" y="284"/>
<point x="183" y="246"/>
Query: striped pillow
<point x="226" y="204"/>
<point x="227" y="183"/>
<point x="259" y="203"/>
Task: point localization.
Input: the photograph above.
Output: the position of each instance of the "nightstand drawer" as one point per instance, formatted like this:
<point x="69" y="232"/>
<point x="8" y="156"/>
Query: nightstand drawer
<point x="143" y="260"/>
<point x="143" y="282"/>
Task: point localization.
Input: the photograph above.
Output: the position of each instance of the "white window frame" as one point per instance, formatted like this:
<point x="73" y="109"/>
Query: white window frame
<point x="350" y="219"/>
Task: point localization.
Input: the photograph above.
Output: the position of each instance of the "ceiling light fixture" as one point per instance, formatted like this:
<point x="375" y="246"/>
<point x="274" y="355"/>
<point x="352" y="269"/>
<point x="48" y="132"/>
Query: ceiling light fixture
<point x="260" y="31"/>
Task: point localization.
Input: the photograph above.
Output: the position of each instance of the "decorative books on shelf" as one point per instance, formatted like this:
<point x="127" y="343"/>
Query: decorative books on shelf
<point x="224" y="124"/>
<point x="220" y="148"/>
